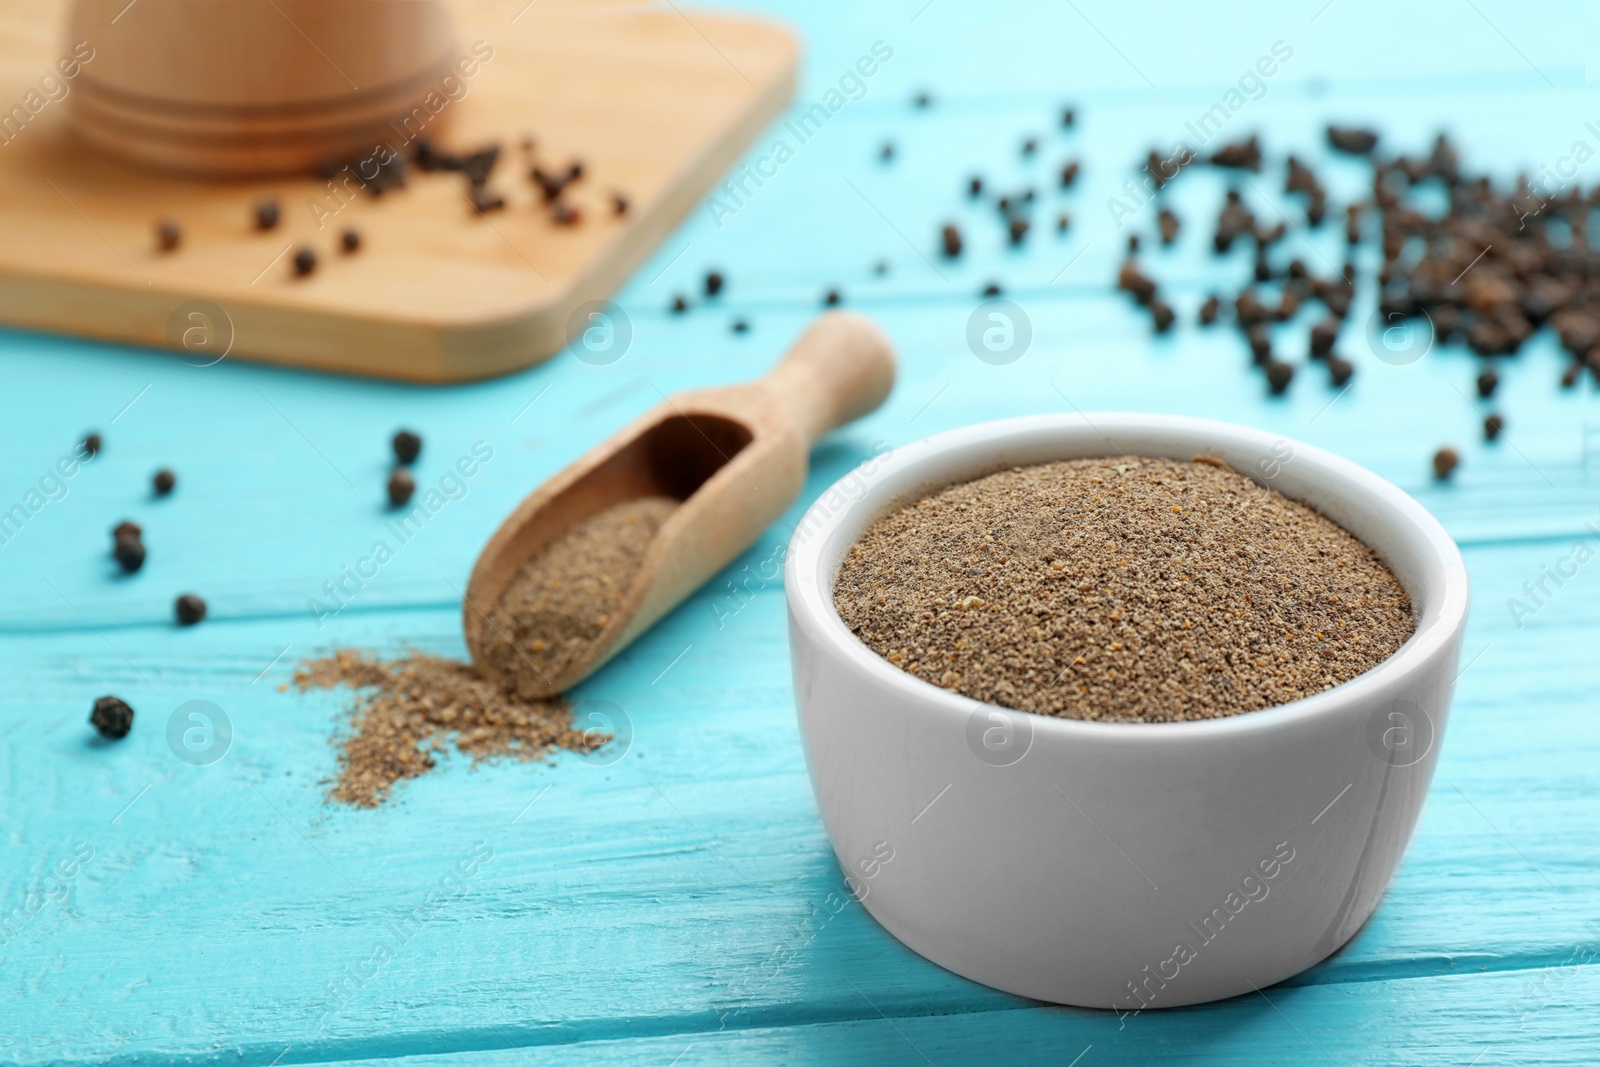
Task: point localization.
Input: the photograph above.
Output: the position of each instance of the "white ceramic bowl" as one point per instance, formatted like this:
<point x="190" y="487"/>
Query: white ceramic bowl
<point x="1121" y="866"/>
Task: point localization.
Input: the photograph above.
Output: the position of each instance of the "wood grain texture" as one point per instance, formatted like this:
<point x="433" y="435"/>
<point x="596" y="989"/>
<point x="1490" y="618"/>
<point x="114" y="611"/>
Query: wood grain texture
<point x="676" y="903"/>
<point x="655" y="105"/>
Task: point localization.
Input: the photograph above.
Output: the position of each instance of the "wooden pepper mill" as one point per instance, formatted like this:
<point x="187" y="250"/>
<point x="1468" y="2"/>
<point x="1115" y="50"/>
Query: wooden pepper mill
<point x="254" y="87"/>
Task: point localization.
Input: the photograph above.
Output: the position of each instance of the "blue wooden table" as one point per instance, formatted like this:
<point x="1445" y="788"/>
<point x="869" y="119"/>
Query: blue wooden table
<point x="671" y="907"/>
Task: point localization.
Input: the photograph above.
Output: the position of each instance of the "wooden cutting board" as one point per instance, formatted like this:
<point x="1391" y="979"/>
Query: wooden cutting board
<point x="655" y="102"/>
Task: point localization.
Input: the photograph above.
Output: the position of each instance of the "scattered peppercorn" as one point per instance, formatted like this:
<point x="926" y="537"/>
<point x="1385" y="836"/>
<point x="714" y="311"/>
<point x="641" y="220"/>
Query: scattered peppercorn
<point x="1169" y="226"/>
<point x="922" y="99"/>
<point x="1162" y="315"/>
<point x="550" y="185"/>
<point x="881" y="267"/>
<point x="1260" y="340"/>
<point x="407" y="447"/>
<point x="163" y="482"/>
<point x="992" y="289"/>
<point x="127" y="547"/>
<point x="1029" y="146"/>
<point x="886" y="153"/>
<point x="1323" y="336"/>
<point x="619" y="204"/>
<point x="952" y="241"/>
<point x="1445" y="462"/>
<point x="266" y="214"/>
<point x="680" y="304"/>
<point x="1210" y="310"/>
<point x="485" y="200"/>
<point x="1569" y="377"/>
<point x="1018" y="229"/>
<point x="111" y="717"/>
<point x="168" y="235"/>
<point x="189" y="609"/>
<point x="1279" y="375"/>
<point x="350" y="241"/>
<point x="565" y="214"/>
<point x="975" y="186"/>
<point x="1069" y="174"/>
<point x="740" y="326"/>
<point x="401" y="486"/>
<point x="1487" y="382"/>
<point x="713" y="282"/>
<point x="305" y="261"/>
<point x="1492" y="425"/>
<point x="127" y="528"/>
<point x="831" y="298"/>
<point x="1068" y="117"/>
<point x="1063" y="222"/>
<point x="1353" y="141"/>
<point x="1340" y="370"/>
<point x="480" y="164"/>
<point x="91" y="444"/>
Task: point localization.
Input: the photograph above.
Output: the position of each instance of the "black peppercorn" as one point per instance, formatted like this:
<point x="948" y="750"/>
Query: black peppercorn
<point x="1162" y="314"/>
<point x="1063" y="222"/>
<point x="168" y="235"/>
<point x="952" y="241"/>
<point x="163" y="482"/>
<point x="401" y="486"/>
<point x="886" y="153"/>
<point x="350" y="241"/>
<point x="831" y="298"/>
<point x="1069" y="174"/>
<point x="1445" y="462"/>
<point x="91" y="445"/>
<point x="128" y="552"/>
<point x="1029" y="146"/>
<point x="619" y="204"/>
<point x="565" y="214"/>
<point x="1260" y="343"/>
<point x="1018" y="229"/>
<point x="1279" y="375"/>
<point x="680" y="304"/>
<point x="714" y="282"/>
<point x="992" y="289"/>
<point x="1068" y="117"/>
<point x="266" y="214"/>
<point x="407" y="447"/>
<point x="112" y="717"/>
<point x="1492" y="425"/>
<point x="1340" y="370"/>
<point x="922" y="99"/>
<point x="974" y="186"/>
<point x="740" y="326"/>
<point x="485" y="200"/>
<point x="1487" y="381"/>
<point x="305" y="261"/>
<point x="1210" y="310"/>
<point x="1323" y="335"/>
<point x="1569" y="377"/>
<point x="189" y="609"/>
<point x="1169" y="225"/>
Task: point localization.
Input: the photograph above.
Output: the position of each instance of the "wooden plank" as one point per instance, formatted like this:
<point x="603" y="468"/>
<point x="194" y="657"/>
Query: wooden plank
<point x="676" y="903"/>
<point x="236" y="872"/>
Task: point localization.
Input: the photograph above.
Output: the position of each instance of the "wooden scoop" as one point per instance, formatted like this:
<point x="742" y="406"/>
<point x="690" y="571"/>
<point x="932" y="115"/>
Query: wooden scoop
<point x="736" y="457"/>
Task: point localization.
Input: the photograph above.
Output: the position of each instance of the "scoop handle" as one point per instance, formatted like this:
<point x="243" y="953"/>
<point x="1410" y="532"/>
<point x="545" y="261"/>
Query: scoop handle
<point x="842" y="367"/>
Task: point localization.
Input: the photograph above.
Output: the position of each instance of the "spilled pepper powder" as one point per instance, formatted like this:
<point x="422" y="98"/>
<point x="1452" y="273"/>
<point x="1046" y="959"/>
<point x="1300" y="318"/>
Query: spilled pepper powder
<point x="562" y="598"/>
<point x="408" y="711"/>
<point x="1121" y="590"/>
